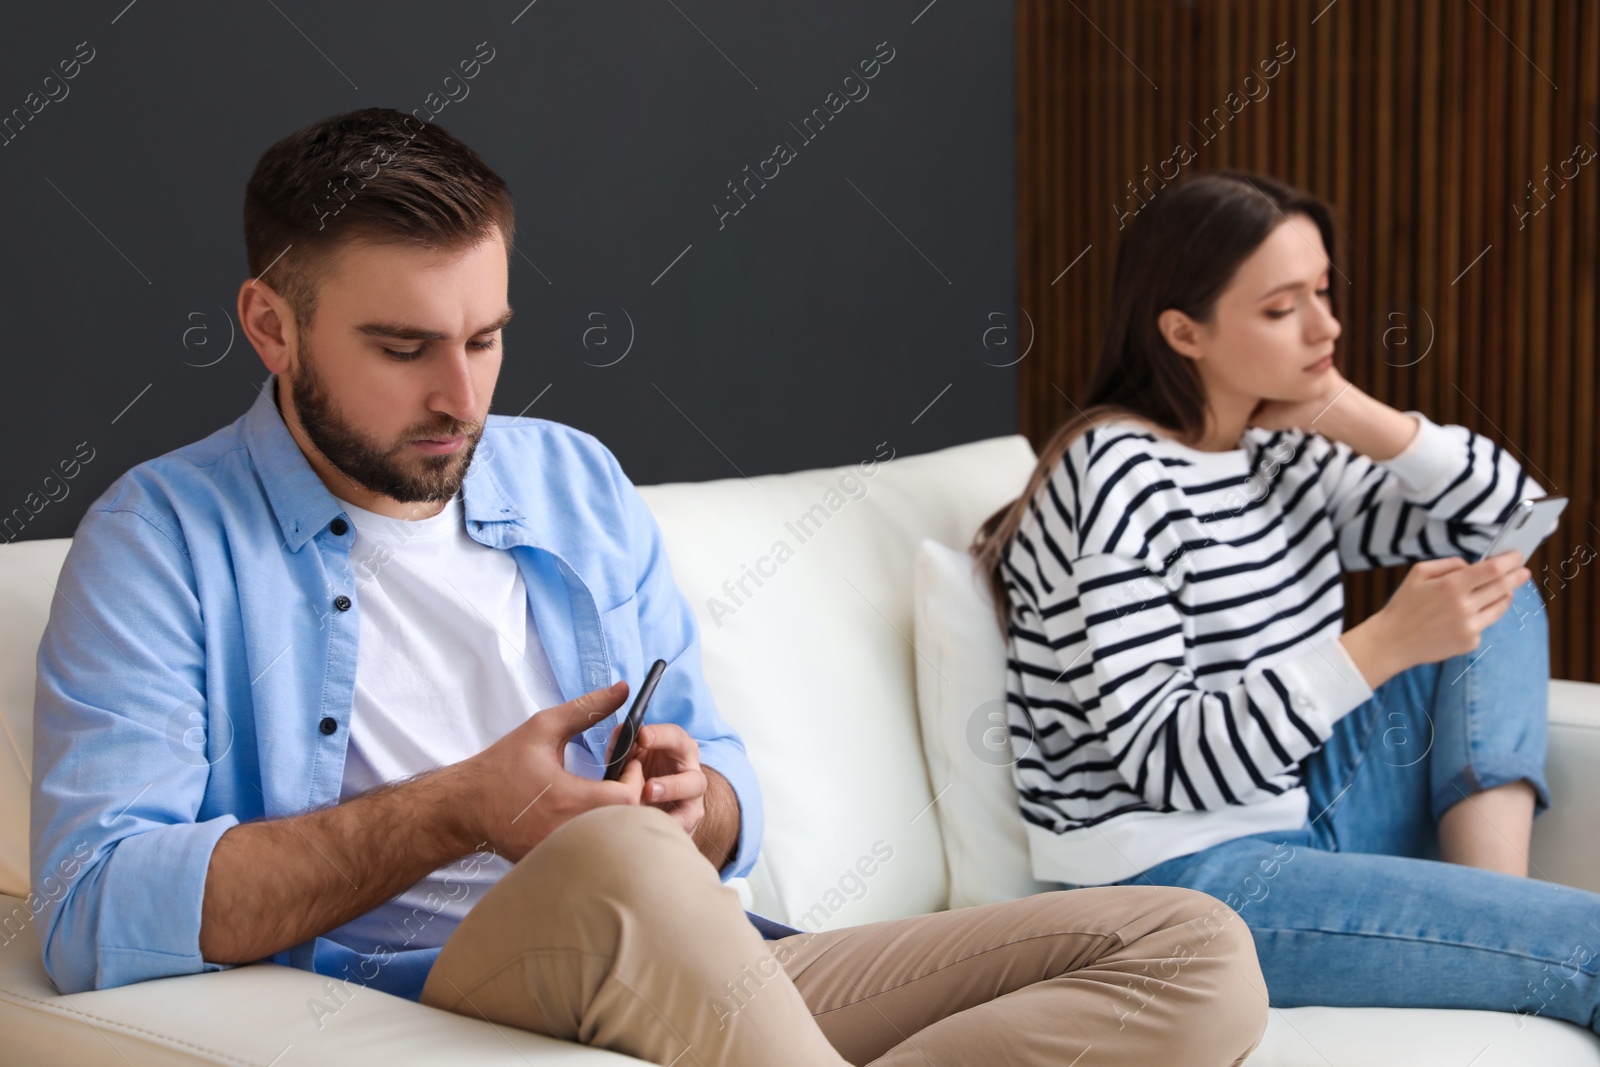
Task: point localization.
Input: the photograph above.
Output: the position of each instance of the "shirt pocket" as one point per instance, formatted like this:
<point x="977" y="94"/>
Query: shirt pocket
<point x="624" y="656"/>
<point x="620" y="628"/>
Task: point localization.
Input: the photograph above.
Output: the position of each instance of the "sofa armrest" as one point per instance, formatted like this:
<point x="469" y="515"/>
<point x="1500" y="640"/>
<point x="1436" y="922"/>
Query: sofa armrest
<point x="1565" y="837"/>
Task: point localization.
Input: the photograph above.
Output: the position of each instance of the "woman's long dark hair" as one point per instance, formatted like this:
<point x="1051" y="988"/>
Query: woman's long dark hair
<point x="1182" y="250"/>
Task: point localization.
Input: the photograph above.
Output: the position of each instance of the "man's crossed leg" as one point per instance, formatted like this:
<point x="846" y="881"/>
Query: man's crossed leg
<point x="616" y="932"/>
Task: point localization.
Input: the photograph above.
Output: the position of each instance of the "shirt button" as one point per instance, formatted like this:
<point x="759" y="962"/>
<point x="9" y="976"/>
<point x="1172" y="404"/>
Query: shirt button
<point x="328" y="726"/>
<point x="341" y="602"/>
<point x="339" y="527"/>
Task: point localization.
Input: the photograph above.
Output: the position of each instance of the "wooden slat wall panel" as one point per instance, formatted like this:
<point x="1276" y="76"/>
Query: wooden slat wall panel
<point x="1423" y="122"/>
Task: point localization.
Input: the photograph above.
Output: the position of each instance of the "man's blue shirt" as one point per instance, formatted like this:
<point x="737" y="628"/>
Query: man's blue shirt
<point x="199" y="667"/>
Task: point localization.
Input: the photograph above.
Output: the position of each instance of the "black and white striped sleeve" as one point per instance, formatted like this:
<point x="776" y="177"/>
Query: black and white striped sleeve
<point x="1445" y="494"/>
<point x="1181" y="746"/>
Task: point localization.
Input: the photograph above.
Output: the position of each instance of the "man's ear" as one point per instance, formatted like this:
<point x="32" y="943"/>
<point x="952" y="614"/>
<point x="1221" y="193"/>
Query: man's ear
<point x="1181" y="333"/>
<point x="267" y="324"/>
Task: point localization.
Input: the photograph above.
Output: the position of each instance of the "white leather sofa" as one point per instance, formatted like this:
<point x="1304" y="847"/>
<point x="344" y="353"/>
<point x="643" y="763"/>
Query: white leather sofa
<point x="818" y="660"/>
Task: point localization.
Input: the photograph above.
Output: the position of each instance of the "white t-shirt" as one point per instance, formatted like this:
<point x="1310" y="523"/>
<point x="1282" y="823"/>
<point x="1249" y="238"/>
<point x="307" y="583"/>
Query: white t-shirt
<point x="449" y="661"/>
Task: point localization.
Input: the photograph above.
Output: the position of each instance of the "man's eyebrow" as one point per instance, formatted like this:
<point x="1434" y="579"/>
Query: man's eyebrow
<point x="406" y="332"/>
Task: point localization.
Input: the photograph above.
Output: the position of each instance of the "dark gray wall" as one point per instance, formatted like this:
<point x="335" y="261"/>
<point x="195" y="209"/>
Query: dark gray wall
<point x="871" y="278"/>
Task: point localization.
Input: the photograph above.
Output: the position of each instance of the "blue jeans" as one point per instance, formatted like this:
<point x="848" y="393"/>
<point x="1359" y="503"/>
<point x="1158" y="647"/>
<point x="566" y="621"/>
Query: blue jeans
<point x="1355" y="908"/>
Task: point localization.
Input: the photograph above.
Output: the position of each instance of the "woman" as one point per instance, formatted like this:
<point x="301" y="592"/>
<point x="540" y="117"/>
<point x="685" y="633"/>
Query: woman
<point x="1184" y="707"/>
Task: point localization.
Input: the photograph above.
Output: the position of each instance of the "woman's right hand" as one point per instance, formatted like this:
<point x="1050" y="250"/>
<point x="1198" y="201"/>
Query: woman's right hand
<point x="1443" y="606"/>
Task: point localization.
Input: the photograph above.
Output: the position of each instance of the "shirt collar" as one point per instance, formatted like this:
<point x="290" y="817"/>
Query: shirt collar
<point x="303" y="505"/>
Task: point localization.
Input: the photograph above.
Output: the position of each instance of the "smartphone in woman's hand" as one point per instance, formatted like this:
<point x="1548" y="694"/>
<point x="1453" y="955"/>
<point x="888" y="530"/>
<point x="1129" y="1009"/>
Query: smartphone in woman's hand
<point x="1529" y="523"/>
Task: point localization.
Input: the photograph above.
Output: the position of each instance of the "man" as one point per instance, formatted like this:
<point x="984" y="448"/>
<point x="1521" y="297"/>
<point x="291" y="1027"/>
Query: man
<point x="334" y="687"/>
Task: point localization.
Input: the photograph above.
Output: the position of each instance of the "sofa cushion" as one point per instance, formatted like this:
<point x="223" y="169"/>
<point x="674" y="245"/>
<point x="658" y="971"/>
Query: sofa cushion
<point x="961" y="688"/>
<point x="801" y="584"/>
<point x="1420" y="1037"/>
<point x="1563" y="836"/>
<point x="258" y="1014"/>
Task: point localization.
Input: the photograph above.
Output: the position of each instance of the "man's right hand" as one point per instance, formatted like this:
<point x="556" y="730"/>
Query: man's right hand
<point x="517" y="791"/>
<point x="331" y="864"/>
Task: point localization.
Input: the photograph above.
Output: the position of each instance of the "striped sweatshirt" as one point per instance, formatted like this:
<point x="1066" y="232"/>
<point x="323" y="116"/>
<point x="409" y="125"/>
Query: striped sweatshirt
<point x="1173" y="649"/>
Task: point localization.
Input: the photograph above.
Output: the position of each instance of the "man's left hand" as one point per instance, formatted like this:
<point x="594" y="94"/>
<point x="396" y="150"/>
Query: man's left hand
<point x="674" y="779"/>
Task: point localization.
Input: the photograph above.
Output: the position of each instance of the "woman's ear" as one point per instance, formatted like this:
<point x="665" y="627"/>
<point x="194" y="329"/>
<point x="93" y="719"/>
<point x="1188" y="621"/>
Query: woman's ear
<point x="1181" y="333"/>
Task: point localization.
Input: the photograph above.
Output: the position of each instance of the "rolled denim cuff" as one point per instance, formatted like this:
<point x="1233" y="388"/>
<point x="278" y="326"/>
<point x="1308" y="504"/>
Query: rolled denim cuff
<point x="1497" y="772"/>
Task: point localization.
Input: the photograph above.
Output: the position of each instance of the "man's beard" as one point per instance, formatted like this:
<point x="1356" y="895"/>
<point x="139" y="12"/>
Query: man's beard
<point x="426" y="478"/>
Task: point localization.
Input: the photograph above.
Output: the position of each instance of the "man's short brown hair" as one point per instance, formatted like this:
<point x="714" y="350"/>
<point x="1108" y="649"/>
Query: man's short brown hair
<point x="375" y="175"/>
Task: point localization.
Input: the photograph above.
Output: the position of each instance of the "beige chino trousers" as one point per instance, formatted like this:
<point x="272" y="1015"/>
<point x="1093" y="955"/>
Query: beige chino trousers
<point x="616" y="932"/>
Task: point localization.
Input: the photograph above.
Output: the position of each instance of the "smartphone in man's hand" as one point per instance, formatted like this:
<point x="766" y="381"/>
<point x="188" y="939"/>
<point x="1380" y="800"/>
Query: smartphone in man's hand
<point x="629" y="734"/>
